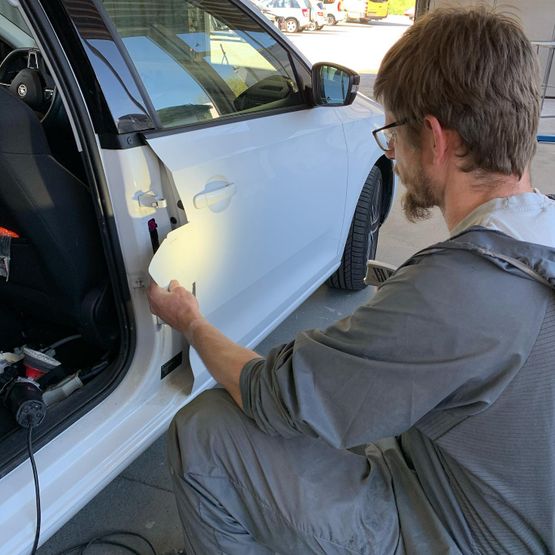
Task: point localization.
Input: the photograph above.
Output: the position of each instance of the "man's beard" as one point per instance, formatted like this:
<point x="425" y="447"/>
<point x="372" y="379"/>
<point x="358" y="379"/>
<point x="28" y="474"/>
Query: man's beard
<point x="420" y="196"/>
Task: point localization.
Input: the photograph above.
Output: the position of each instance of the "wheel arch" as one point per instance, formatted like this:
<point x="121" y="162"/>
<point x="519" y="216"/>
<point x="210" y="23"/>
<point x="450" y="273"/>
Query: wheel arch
<point x="385" y="166"/>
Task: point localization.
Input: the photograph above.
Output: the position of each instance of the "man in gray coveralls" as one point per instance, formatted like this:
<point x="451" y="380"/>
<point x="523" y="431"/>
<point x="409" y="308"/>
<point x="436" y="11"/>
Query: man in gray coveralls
<point x="445" y="375"/>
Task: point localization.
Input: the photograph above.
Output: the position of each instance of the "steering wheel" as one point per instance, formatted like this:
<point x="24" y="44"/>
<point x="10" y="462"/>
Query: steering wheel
<point x="24" y="73"/>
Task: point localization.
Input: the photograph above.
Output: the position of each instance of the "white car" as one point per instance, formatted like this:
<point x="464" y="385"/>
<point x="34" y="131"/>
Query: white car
<point x="295" y="14"/>
<point x="334" y="11"/>
<point x="355" y="9"/>
<point x="165" y="139"/>
<point x="318" y="17"/>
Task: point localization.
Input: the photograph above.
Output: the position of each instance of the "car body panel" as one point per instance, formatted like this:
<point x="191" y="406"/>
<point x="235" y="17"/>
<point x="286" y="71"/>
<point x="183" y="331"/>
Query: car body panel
<point x="335" y="9"/>
<point x="317" y="13"/>
<point x="358" y="121"/>
<point x="241" y="282"/>
<point x="365" y="10"/>
<point x="355" y="9"/>
<point x="377" y="9"/>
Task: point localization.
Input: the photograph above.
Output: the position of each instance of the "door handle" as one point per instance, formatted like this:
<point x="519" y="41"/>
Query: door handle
<point x="204" y="200"/>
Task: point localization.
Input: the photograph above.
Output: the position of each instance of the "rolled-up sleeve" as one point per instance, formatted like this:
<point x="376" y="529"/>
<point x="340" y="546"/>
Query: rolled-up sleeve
<point x="422" y="341"/>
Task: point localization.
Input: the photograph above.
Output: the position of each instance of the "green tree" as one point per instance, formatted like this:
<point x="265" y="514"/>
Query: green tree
<point x="398" y="7"/>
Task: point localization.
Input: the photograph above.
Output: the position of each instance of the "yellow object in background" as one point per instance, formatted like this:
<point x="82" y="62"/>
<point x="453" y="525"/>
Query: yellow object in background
<point x="377" y="9"/>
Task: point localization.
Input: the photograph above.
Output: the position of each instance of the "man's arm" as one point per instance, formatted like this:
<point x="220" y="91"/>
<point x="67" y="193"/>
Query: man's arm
<point x="223" y="358"/>
<point x="442" y="334"/>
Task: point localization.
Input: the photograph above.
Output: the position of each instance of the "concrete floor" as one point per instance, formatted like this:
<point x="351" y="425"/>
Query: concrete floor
<point x="140" y="499"/>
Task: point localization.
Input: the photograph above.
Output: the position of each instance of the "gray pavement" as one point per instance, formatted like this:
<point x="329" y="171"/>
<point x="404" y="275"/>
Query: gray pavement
<point x="140" y="498"/>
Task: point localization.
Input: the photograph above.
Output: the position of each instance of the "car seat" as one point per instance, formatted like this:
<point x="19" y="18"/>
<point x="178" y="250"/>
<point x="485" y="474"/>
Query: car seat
<point x="57" y="270"/>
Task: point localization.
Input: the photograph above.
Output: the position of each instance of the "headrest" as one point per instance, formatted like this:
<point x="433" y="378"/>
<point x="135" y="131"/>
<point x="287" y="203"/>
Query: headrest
<point x="22" y="131"/>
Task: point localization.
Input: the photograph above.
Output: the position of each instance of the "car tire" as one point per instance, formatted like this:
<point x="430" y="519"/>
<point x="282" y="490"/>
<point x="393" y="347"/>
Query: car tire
<point x="331" y="20"/>
<point x="319" y="27"/>
<point x="292" y="25"/>
<point x="311" y="26"/>
<point x="362" y="240"/>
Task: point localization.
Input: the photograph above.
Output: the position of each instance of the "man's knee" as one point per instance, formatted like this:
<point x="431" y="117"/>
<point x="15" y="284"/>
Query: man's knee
<point x="198" y="430"/>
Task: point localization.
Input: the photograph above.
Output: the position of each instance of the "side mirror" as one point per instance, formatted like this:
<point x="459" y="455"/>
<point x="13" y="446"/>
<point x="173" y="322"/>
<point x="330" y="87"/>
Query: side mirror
<point x="333" y="85"/>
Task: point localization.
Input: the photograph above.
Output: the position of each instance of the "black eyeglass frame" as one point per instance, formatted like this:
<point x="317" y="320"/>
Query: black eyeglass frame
<point x="388" y="126"/>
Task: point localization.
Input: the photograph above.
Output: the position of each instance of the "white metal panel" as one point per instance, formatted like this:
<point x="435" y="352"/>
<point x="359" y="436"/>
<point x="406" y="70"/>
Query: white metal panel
<point x="254" y="252"/>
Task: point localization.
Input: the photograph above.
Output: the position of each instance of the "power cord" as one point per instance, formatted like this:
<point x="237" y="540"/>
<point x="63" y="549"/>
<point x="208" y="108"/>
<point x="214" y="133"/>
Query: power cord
<point x="36" y="479"/>
<point x="100" y="540"/>
<point x="29" y="411"/>
<point x="103" y="540"/>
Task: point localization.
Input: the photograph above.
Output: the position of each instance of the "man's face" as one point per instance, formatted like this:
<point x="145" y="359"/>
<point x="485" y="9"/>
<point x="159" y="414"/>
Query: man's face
<point x="421" y="192"/>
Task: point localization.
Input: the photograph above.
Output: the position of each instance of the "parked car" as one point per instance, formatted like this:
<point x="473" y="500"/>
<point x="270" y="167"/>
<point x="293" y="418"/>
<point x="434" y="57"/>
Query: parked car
<point x="410" y="13"/>
<point x="355" y="9"/>
<point x="376" y="10"/>
<point x="366" y="10"/>
<point x="277" y="20"/>
<point x="294" y="13"/>
<point x="172" y="140"/>
<point x="334" y="11"/>
<point x="317" y="15"/>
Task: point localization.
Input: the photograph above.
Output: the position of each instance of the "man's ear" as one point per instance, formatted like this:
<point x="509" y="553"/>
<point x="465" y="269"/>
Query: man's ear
<point x="437" y="139"/>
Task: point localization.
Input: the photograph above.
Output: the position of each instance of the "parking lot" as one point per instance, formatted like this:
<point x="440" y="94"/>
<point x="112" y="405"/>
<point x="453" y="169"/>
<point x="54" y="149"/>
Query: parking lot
<point x="355" y="45"/>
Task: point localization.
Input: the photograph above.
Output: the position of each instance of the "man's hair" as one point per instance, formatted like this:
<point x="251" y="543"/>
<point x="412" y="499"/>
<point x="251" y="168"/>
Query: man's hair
<point x="477" y="73"/>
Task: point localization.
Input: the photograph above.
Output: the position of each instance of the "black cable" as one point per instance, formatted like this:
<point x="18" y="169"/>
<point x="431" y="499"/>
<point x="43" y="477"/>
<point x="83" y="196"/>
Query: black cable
<point x="97" y="541"/>
<point x="135" y="534"/>
<point x="90" y="373"/>
<point x="100" y="540"/>
<point x="36" y="479"/>
<point x="109" y="542"/>
<point x="122" y="533"/>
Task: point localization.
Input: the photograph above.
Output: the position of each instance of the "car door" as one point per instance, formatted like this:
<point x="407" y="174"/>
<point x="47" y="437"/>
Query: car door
<point x="259" y="176"/>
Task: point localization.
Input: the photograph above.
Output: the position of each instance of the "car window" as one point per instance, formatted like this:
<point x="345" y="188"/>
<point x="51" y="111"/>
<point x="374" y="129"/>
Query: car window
<point x="12" y="14"/>
<point x="13" y="29"/>
<point x="200" y="60"/>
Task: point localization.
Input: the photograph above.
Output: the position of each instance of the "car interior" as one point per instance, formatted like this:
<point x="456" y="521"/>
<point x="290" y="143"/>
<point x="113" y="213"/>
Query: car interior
<point x="58" y="318"/>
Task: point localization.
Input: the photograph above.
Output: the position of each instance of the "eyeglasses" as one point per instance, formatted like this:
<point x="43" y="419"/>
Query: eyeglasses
<point x="386" y="135"/>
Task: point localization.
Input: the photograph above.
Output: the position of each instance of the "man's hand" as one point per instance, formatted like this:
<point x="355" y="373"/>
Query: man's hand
<point x="223" y="358"/>
<point x="176" y="306"/>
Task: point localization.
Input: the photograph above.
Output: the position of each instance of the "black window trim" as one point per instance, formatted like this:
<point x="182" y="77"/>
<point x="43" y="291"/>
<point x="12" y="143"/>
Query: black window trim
<point x="128" y="62"/>
<point x="79" y="14"/>
<point x="222" y="120"/>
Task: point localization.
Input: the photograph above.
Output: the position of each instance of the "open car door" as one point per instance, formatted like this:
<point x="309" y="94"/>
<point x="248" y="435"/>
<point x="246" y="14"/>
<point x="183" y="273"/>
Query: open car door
<point x="263" y="217"/>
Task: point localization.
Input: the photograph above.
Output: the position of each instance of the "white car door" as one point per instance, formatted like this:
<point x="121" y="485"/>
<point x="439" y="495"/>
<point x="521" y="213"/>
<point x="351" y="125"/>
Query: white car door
<point x="262" y="198"/>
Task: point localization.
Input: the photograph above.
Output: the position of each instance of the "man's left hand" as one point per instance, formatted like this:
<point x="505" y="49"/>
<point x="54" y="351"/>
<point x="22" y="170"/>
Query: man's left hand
<point x="176" y="306"/>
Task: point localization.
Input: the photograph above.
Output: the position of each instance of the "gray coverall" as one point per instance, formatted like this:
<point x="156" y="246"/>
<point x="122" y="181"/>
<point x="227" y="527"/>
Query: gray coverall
<point x="446" y="376"/>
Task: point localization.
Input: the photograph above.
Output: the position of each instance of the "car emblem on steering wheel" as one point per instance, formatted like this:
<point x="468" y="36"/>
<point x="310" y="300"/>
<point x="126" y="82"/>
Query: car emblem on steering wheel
<point x="22" y="90"/>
